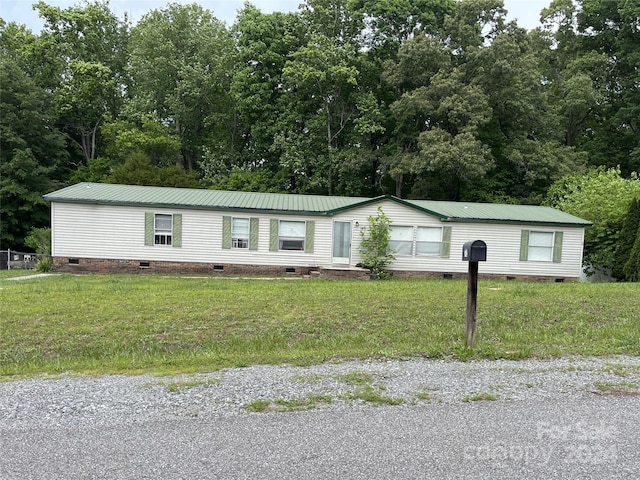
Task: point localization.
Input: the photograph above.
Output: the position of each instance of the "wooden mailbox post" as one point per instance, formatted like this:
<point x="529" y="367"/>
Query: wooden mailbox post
<point x="473" y="252"/>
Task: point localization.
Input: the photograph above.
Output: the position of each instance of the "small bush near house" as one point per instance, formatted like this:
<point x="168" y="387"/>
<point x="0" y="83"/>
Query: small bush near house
<point x="374" y="248"/>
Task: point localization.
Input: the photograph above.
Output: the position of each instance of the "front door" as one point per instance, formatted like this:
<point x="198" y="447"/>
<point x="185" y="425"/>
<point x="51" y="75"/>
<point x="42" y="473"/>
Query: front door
<point x="341" y="243"/>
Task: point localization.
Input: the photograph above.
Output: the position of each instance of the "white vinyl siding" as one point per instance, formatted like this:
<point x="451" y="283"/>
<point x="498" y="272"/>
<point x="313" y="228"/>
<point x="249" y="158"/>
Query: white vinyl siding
<point x="503" y="244"/>
<point x="118" y="232"/>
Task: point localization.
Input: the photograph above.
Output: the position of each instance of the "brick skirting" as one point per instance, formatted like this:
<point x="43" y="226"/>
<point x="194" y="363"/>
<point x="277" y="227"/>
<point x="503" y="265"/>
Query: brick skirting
<point x="99" y="265"/>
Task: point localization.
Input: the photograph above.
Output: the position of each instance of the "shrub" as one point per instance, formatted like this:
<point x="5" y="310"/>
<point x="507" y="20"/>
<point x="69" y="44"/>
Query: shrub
<point x="374" y="247"/>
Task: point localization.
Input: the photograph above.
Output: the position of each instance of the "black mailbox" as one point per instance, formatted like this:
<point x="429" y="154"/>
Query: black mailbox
<point x="474" y="251"/>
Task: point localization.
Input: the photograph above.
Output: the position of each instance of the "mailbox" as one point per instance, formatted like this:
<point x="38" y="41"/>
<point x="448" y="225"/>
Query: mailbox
<point x="474" y="251"/>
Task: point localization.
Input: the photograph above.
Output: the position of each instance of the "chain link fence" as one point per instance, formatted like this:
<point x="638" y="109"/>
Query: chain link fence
<point x="11" y="259"/>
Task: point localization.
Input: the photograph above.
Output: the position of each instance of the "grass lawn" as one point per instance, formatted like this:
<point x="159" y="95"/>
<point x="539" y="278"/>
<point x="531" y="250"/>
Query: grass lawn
<point x="131" y="324"/>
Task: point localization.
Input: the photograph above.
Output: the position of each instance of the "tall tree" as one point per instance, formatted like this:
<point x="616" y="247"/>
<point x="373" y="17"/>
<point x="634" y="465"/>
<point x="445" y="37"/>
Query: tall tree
<point x="321" y="79"/>
<point x="90" y="43"/>
<point x="32" y="150"/>
<point x="264" y="42"/>
<point x="611" y="28"/>
<point x="180" y="61"/>
<point x="627" y="258"/>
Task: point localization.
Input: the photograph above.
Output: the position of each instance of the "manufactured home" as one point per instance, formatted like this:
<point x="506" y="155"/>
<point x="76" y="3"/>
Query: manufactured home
<point x="129" y="228"/>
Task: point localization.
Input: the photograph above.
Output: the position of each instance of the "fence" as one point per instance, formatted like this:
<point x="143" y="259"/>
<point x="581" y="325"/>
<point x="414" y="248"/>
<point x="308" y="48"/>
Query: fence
<point x="10" y="259"/>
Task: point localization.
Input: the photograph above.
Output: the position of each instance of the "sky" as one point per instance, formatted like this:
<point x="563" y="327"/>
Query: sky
<point x="526" y="12"/>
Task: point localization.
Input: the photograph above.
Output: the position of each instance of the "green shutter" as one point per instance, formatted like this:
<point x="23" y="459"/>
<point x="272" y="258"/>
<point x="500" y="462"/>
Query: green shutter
<point x="226" y="232"/>
<point x="524" y="245"/>
<point x="254" y="232"/>
<point x="309" y="239"/>
<point x="445" y="251"/>
<point x="176" y="241"/>
<point x="273" y="235"/>
<point x="148" y="228"/>
<point x="557" y="247"/>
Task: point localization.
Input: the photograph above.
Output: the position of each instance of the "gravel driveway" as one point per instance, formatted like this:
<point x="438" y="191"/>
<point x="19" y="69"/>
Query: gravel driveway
<point x="561" y="418"/>
<point x="112" y="399"/>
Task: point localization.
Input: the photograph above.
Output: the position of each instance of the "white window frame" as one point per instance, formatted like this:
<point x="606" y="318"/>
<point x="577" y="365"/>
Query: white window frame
<point x="161" y="234"/>
<point x="239" y="237"/>
<point x="290" y="240"/>
<point x="541" y="245"/>
<point x="433" y="243"/>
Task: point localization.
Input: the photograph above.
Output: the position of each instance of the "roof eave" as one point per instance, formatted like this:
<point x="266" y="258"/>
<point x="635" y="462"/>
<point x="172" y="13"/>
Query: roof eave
<point x="517" y="222"/>
<point x="187" y="207"/>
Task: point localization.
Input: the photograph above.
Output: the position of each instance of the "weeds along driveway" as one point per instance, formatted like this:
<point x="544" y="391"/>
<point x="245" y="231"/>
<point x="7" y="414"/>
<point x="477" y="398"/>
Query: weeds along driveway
<point x="562" y="418"/>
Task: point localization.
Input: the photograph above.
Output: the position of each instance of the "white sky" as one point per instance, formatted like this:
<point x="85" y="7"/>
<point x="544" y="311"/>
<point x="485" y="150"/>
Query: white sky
<point x="526" y="12"/>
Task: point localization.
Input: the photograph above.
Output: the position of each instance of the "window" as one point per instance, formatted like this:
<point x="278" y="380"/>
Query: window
<point x="240" y="233"/>
<point x="428" y="241"/>
<point x="163" y="228"/>
<point x="401" y="240"/>
<point x="541" y="246"/>
<point x="291" y="235"/>
<point x="425" y="241"/>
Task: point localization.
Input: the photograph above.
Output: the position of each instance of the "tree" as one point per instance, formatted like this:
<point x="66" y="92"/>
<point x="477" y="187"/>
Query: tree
<point x="138" y="170"/>
<point x="90" y="45"/>
<point x="321" y="78"/>
<point x="602" y="197"/>
<point x="263" y="42"/>
<point x="611" y="28"/>
<point x="146" y="134"/>
<point x="627" y="257"/>
<point x="83" y="101"/>
<point x="374" y="246"/>
<point x="632" y="267"/>
<point x="180" y="61"/>
<point x="32" y="152"/>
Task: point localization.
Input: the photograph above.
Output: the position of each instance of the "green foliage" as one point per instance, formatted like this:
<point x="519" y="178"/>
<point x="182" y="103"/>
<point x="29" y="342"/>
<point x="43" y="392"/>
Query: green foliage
<point x="437" y="99"/>
<point x="40" y="240"/>
<point x="180" y="58"/>
<point x="260" y="180"/>
<point x="602" y="197"/>
<point x="45" y="264"/>
<point x="148" y="135"/>
<point x="626" y="264"/>
<point x="32" y="153"/>
<point x="631" y="267"/>
<point x="138" y="170"/>
<point x="374" y="246"/>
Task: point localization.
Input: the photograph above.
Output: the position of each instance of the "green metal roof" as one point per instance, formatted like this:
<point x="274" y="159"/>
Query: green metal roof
<point x="496" y="213"/>
<point x="134" y="195"/>
<point x="112" y="194"/>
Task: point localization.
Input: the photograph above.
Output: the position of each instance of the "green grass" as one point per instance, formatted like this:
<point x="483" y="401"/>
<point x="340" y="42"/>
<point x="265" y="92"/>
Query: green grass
<point x="372" y="394"/>
<point x="481" y="397"/>
<point x="177" y="386"/>
<point x="619" y="388"/>
<point x="294" y="405"/>
<point x="131" y="324"/>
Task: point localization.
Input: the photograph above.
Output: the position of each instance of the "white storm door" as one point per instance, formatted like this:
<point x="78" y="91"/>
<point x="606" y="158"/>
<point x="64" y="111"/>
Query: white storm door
<point x="341" y="243"/>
